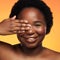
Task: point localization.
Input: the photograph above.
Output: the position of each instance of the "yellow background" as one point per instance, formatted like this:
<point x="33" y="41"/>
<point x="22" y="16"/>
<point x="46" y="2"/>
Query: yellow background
<point x="52" y="40"/>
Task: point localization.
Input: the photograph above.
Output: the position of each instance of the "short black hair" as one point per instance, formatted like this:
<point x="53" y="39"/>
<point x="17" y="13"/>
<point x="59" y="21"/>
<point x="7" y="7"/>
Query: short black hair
<point x="39" y="4"/>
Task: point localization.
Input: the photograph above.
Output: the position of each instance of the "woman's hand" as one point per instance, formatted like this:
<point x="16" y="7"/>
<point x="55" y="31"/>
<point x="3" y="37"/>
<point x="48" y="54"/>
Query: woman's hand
<point x="13" y="26"/>
<point x="9" y="26"/>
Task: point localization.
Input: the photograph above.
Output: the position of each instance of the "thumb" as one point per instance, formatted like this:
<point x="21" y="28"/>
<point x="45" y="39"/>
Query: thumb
<point x="14" y="17"/>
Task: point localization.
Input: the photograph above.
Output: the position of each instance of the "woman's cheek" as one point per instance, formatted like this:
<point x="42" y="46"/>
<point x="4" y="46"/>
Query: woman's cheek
<point x="42" y="30"/>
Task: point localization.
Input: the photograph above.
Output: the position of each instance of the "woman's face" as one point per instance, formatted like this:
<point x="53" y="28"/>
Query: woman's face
<point x="34" y="36"/>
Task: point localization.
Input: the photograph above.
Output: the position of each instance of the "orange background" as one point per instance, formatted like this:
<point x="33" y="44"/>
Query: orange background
<point x="52" y="40"/>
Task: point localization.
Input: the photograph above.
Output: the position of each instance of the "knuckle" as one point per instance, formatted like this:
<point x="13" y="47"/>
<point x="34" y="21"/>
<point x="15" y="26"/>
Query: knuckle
<point x="16" y="20"/>
<point x="23" y="25"/>
<point x="21" y="21"/>
<point x="25" y="21"/>
<point x="22" y="28"/>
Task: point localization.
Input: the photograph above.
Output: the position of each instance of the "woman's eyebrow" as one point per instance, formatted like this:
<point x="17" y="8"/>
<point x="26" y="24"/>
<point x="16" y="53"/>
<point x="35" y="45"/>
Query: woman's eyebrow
<point x="41" y="22"/>
<point x="38" y="21"/>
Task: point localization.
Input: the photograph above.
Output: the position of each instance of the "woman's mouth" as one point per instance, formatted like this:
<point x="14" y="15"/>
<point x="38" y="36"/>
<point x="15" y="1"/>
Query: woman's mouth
<point x="31" y="40"/>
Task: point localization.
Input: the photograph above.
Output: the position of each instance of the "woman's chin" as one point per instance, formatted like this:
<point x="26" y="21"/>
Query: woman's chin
<point x="31" y="45"/>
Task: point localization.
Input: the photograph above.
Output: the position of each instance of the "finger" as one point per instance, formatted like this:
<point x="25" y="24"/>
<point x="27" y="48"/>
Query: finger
<point x="21" y="21"/>
<point x="22" y="28"/>
<point x="20" y="32"/>
<point x="28" y="25"/>
<point x="15" y="28"/>
<point x="25" y="21"/>
<point x="23" y="25"/>
<point x="14" y="32"/>
<point x="16" y="25"/>
<point x="27" y="28"/>
<point x="14" y="17"/>
<point x="16" y="21"/>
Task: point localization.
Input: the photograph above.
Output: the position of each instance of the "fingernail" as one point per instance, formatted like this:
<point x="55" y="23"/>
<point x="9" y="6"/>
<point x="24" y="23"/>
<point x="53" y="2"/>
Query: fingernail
<point x="13" y="17"/>
<point x="29" y="25"/>
<point x="22" y="31"/>
<point x="26" y="21"/>
<point x="23" y="24"/>
<point x="27" y="28"/>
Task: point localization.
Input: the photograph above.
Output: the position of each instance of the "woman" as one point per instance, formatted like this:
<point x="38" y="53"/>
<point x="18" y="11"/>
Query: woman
<point x="31" y="20"/>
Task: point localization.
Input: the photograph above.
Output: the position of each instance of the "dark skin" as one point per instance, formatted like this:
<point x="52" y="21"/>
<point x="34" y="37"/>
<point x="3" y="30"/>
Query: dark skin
<point x="30" y="28"/>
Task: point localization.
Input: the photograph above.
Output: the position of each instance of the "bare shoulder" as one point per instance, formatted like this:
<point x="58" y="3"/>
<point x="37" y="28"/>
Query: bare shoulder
<point x="8" y="47"/>
<point x="5" y="46"/>
<point x="7" y="51"/>
<point x="53" y="54"/>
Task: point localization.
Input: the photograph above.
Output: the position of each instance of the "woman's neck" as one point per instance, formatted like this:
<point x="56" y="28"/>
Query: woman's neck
<point x="32" y="51"/>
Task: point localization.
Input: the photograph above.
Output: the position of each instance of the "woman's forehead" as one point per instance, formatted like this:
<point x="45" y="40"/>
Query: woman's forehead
<point x="31" y="13"/>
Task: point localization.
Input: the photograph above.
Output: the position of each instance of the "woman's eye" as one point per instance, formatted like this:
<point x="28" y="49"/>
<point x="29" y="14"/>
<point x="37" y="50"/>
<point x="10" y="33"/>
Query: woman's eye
<point x="38" y="24"/>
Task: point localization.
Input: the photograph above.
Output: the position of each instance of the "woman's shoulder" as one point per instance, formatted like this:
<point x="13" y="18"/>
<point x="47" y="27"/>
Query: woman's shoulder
<point x="52" y="53"/>
<point x="5" y="46"/>
<point x="7" y="51"/>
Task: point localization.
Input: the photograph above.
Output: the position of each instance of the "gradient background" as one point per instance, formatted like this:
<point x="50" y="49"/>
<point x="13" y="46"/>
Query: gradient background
<point x="52" y="40"/>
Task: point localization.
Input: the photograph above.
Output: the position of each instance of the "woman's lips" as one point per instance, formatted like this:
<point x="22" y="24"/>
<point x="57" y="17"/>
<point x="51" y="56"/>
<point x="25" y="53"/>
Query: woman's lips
<point x="30" y="39"/>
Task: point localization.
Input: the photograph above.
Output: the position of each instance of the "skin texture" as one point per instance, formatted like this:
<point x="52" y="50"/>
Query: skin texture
<point x="30" y="28"/>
